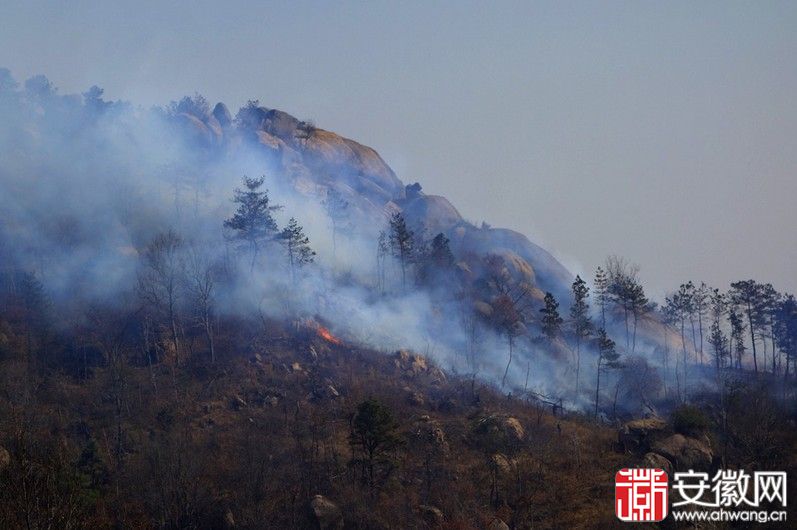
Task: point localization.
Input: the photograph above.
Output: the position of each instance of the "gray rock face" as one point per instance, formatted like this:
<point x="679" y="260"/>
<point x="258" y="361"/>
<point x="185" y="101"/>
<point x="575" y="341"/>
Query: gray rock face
<point x="326" y="513"/>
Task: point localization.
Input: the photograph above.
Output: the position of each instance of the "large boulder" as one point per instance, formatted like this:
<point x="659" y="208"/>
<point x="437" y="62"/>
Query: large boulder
<point x="502" y="465"/>
<point x="500" y="430"/>
<point x="430" y="434"/>
<point x="497" y="524"/>
<point x="549" y="274"/>
<point x="5" y="458"/>
<point x="355" y="164"/>
<point x="685" y="452"/>
<point x="432" y="212"/>
<point x="326" y="513"/>
<point x="432" y="515"/>
<point x="222" y="115"/>
<point x="638" y="435"/>
<point x="656" y="461"/>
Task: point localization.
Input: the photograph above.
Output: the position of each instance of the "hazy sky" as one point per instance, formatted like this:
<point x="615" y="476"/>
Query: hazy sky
<point x="665" y="132"/>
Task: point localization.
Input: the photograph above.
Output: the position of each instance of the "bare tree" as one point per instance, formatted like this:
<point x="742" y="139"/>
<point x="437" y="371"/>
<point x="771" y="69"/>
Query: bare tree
<point x="161" y="279"/>
<point x="201" y="280"/>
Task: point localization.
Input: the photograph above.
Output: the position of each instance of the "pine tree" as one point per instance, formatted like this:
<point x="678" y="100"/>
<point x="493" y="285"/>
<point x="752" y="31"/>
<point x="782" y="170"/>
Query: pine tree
<point x="701" y="297"/>
<point x="508" y="316"/>
<point x="402" y="244"/>
<point x="767" y="306"/>
<point x="297" y="246"/>
<point x="436" y="260"/>
<point x="640" y="306"/>
<point x="373" y="435"/>
<point x="252" y="223"/>
<point x="677" y="311"/>
<point x="625" y="291"/>
<point x="747" y="295"/>
<point x="607" y="359"/>
<point x="580" y="321"/>
<point x="601" y="293"/>
<point x="687" y="294"/>
<point x="719" y="343"/>
<point x="382" y="251"/>
<point x="786" y="330"/>
<point x="737" y="334"/>
<point x="717" y="337"/>
<point x="551" y="321"/>
<point x="440" y="252"/>
<point x="338" y="211"/>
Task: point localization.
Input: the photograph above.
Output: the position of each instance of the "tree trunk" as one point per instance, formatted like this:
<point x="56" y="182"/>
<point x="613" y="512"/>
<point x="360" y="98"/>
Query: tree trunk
<point x="503" y="381"/>
<point x="209" y="335"/>
<point x="598" y="386"/>
<point x="578" y="363"/>
<point x="752" y="335"/>
<point x="700" y="328"/>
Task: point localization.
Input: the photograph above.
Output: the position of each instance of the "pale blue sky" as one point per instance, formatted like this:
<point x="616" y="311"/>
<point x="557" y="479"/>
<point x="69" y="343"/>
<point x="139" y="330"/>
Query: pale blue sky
<point x="662" y="131"/>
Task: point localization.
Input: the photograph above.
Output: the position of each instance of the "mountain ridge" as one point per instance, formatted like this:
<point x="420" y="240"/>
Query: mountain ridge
<point x="308" y="154"/>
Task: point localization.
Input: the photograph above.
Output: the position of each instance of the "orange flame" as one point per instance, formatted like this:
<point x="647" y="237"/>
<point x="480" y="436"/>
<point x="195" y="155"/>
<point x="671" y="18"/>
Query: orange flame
<point x="325" y="334"/>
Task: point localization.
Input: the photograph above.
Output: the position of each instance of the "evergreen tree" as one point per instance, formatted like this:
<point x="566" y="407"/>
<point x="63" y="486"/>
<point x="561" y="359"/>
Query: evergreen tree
<point x="338" y="211"/>
<point x="601" y="293"/>
<point x="719" y="343"/>
<point x="747" y="295"/>
<point x="580" y="321"/>
<point x="701" y="299"/>
<point x="551" y="321"/>
<point x="717" y="338"/>
<point x="676" y="308"/>
<point x="436" y="261"/>
<point x="382" y="251"/>
<point x="373" y="436"/>
<point x="253" y="223"/>
<point x="402" y="244"/>
<point x="607" y="359"/>
<point x="687" y="292"/>
<point x="508" y="316"/>
<point x="440" y="252"/>
<point x="737" y="335"/>
<point x="767" y="306"/>
<point x="297" y="246"/>
<point x="626" y="292"/>
<point x="786" y="330"/>
<point x="639" y="305"/>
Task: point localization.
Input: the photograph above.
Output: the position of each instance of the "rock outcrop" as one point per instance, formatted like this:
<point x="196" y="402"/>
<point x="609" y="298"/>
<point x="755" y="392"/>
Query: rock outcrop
<point x="637" y="436"/>
<point x="326" y="512"/>
<point x="500" y="430"/>
<point x="685" y="452"/>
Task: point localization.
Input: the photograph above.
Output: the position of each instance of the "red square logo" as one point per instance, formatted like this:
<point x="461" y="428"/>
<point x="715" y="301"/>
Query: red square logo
<point x="640" y="495"/>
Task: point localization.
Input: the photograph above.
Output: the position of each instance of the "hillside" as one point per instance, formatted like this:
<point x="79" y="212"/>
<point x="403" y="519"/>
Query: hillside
<point x="218" y="321"/>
